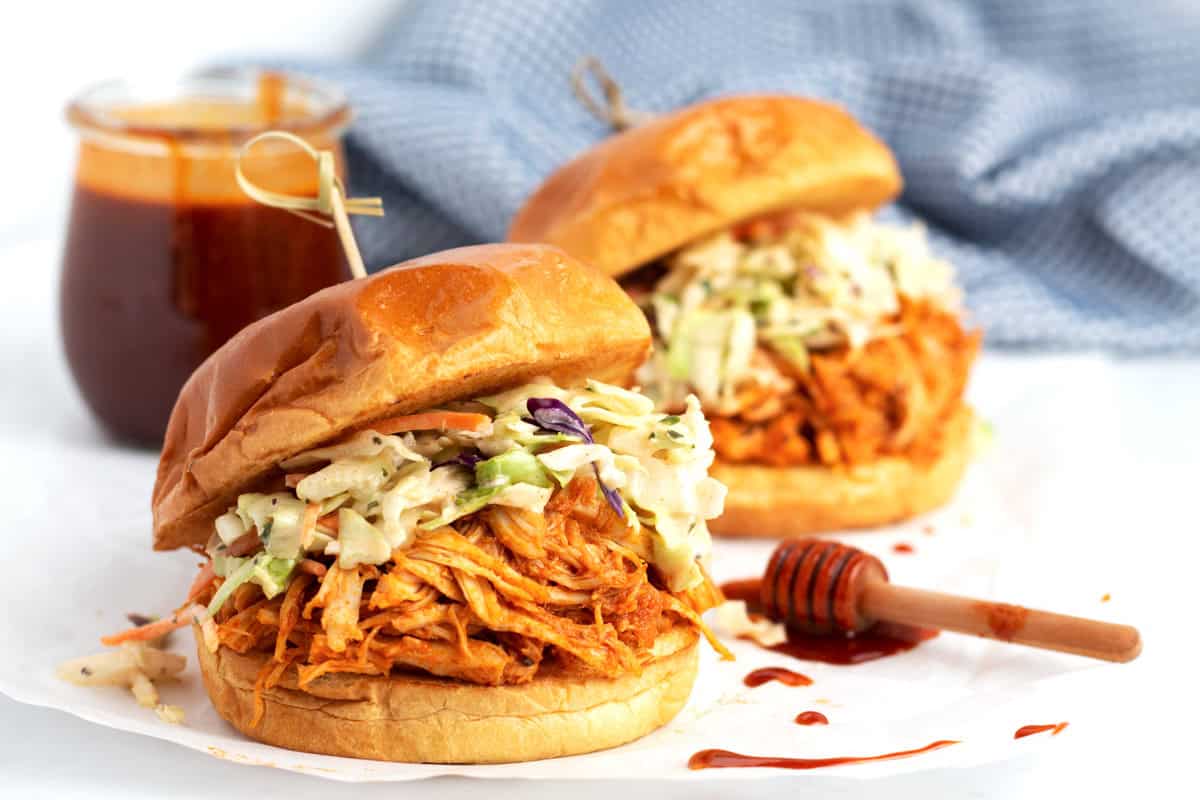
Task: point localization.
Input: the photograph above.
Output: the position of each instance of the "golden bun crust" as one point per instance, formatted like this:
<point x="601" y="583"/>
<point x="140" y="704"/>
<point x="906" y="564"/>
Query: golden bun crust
<point x="418" y="718"/>
<point x="649" y="190"/>
<point x="447" y="326"/>
<point x="780" y="501"/>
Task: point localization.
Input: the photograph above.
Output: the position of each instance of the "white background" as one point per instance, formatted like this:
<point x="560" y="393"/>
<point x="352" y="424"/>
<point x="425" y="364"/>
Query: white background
<point x="48" y="50"/>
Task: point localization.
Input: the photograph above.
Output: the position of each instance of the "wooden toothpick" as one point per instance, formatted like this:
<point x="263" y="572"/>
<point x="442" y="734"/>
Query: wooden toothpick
<point x="330" y="208"/>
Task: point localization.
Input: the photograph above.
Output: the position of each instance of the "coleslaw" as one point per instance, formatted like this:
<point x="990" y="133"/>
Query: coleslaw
<point x="817" y="284"/>
<point x="373" y="493"/>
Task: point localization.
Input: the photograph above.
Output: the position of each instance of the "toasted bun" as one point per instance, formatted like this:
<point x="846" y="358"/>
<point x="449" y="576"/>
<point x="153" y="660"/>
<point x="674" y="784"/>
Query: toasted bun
<point x="451" y="325"/>
<point x="775" y="502"/>
<point x="645" y="192"/>
<point x="413" y="718"/>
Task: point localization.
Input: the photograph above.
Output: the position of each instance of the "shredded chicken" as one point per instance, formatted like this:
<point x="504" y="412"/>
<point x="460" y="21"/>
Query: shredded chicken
<point x="889" y="397"/>
<point x="490" y="600"/>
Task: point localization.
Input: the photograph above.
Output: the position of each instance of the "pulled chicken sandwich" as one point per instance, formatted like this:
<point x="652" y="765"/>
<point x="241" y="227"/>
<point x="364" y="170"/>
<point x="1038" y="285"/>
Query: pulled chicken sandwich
<point x="827" y="348"/>
<point x="435" y="528"/>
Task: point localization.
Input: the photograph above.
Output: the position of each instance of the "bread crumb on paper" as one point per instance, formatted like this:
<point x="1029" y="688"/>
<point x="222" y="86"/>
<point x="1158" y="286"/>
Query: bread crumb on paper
<point x="170" y="714"/>
<point x="732" y="619"/>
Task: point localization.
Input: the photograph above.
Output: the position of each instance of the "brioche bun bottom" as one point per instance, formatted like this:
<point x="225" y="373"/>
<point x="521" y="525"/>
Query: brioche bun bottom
<point x="768" y="501"/>
<point x="422" y="718"/>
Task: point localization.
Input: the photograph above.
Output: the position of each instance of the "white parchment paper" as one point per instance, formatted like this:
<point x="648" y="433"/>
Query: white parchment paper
<point x="1037" y="523"/>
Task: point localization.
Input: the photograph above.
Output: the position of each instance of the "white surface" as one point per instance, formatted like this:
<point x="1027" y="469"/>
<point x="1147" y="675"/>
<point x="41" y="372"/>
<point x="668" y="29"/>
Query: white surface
<point x="955" y="687"/>
<point x="1096" y="463"/>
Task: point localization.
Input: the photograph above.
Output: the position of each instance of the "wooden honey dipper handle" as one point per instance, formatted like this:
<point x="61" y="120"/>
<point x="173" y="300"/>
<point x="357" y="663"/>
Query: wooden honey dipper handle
<point x="822" y="587"/>
<point x="1085" y="637"/>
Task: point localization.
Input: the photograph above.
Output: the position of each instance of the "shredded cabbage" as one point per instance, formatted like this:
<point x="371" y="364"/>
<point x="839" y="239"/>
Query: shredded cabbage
<point x="820" y="284"/>
<point x="361" y="542"/>
<point x="652" y="467"/>
<point x="362" y="444"/>
<point x="272" y="574"/>
<point x="230" y="527"/>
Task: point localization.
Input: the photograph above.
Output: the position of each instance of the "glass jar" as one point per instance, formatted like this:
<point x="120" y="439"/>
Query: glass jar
<point x="165" y="257"/>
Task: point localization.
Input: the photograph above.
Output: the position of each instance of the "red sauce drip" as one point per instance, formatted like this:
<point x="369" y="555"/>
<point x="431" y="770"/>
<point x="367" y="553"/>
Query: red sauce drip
<point x="811" y="718"/>
<point x="881" y="640"/>
<point x="903" y="547"/>
<point x="1030" y="730"/>
<point x="271" y="89"/>
<point x="724" y="759"/>
<point x="1004" y="620"/>
<point x="785" y="676"/>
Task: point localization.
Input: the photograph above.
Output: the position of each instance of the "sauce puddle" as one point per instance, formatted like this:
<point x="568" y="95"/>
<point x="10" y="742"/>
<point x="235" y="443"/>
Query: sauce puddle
<point x="785" y="676"/>
<point x="884" y="639"/>
<point x="811" y="718"/>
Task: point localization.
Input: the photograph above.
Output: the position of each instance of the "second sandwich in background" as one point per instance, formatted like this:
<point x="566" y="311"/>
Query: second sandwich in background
<point x="828" y="349"/>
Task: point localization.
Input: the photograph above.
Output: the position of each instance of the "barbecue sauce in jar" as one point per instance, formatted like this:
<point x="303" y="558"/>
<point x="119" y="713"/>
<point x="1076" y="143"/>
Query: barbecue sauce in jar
<point x="165" y="257"/>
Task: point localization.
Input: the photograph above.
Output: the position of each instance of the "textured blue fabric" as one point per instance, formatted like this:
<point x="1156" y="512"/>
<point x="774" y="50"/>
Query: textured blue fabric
<point x="1053" y="148"/>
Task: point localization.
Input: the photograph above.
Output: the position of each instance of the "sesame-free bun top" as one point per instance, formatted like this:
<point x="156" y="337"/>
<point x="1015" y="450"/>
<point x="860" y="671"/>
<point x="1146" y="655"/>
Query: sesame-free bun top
<point x="448" y="326"/>
<point x="642" y="193"/>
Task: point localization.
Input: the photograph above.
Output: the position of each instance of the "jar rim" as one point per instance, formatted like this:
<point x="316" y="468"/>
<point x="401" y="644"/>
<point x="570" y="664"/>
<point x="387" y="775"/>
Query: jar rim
<point x="326" y="108"/>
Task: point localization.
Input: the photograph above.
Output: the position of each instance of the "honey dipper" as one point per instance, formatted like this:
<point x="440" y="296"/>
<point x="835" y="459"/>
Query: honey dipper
<point x="819" y="586"/>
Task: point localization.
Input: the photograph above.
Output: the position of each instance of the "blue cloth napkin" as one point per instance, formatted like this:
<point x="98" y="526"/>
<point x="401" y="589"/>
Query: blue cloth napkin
<point x="1053" y="148"/>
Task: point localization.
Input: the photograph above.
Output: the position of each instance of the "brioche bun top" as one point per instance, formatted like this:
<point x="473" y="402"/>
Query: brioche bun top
<point x="647" y="191"/>
<point x="451" y="325"/>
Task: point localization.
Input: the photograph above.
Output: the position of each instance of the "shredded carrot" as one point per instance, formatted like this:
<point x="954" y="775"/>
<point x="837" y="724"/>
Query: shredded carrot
<point x="308" y="526"/>
<point x="330" y="522"/>
<point x="434" y="421"/>
<point x="153" y="630"/>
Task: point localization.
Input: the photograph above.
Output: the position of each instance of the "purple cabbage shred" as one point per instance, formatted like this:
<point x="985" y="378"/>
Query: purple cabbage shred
<point x="467" y="458"/>
<point x="555" y="416"/>
<point x="611" y="495"/>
